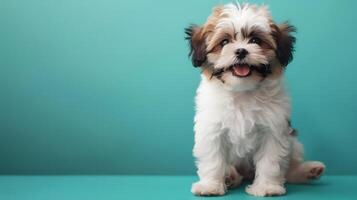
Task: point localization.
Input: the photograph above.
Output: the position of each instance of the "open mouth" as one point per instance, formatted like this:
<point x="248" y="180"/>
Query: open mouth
<point x="241" y="69"/>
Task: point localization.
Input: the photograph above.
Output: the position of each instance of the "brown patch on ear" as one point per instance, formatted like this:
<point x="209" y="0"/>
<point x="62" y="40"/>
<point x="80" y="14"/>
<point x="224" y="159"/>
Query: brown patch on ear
<point x="197" y="36"/>
<point x="197" y="45"/>
<point x="285" y="42"/>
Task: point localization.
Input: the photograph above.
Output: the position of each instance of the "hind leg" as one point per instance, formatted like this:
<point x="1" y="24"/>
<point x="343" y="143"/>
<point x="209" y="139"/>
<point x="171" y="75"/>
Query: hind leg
<point x="303" y="171"/>
<point x="233" y="178"/>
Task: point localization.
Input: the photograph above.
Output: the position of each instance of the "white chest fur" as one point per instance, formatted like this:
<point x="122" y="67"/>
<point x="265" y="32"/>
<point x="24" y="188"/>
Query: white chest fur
<point x="244" y="117"/>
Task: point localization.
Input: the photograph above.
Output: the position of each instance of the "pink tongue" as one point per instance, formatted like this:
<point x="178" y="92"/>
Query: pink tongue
<point x="241" y="70"/>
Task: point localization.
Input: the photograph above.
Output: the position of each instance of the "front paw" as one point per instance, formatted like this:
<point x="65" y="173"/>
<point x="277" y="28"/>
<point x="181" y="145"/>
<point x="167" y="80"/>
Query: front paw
<point x="208" y="188"/>
<point x="262" y="190"/>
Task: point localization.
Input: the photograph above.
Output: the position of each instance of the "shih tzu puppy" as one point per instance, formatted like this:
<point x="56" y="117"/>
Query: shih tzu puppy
<point x="242" y="127"/>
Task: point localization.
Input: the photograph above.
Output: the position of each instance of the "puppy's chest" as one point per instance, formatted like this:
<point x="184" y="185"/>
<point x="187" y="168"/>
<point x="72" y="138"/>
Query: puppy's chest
<point x="245" y="116"/>
<point x="245" y="123"/>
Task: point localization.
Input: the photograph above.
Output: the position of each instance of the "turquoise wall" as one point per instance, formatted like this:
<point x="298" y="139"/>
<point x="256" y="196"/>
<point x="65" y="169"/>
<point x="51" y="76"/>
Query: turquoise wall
<point x="105" y="86"/>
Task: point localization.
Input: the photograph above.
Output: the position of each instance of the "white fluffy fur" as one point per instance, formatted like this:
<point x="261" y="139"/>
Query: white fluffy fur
<point x="233" y="126"/>
<point x="244" y="124"/>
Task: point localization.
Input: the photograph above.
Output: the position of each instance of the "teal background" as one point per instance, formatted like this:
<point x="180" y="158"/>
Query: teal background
<point x="105" y="86"/>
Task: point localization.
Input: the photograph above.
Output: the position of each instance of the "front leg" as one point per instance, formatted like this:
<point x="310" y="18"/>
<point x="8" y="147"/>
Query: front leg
<point x="271" y="162"/>
<point x="211" y="160"/>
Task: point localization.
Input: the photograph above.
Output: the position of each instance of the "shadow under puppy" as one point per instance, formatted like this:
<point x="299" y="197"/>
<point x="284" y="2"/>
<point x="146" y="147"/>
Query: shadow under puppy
<point x="242" y="127"/>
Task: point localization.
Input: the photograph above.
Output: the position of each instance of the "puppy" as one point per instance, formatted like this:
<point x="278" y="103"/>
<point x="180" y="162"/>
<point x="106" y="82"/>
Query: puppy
<point x="242" y="127"/>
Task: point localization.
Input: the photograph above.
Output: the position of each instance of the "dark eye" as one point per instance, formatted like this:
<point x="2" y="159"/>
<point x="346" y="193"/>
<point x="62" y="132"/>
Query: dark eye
<point x="224" y="42"/>
<point x="255" y="40"/>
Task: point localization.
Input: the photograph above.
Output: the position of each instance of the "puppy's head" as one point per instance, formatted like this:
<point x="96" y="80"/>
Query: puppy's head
<point x="241" y="46"/>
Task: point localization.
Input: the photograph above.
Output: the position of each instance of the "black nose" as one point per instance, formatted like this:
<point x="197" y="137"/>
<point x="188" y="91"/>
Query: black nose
<point x="241" y="53"/>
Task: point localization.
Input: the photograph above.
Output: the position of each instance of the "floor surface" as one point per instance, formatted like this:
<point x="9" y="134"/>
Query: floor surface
<point x="153" y="187"/>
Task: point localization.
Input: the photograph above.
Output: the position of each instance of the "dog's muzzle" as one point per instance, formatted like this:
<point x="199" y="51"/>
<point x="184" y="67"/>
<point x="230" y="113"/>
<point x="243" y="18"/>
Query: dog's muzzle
<point x="244" y="70"/>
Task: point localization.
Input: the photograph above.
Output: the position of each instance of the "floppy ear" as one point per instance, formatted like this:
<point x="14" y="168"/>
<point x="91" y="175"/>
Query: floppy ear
<point x="197" y="45"/>
<point x="285" y="42"/>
